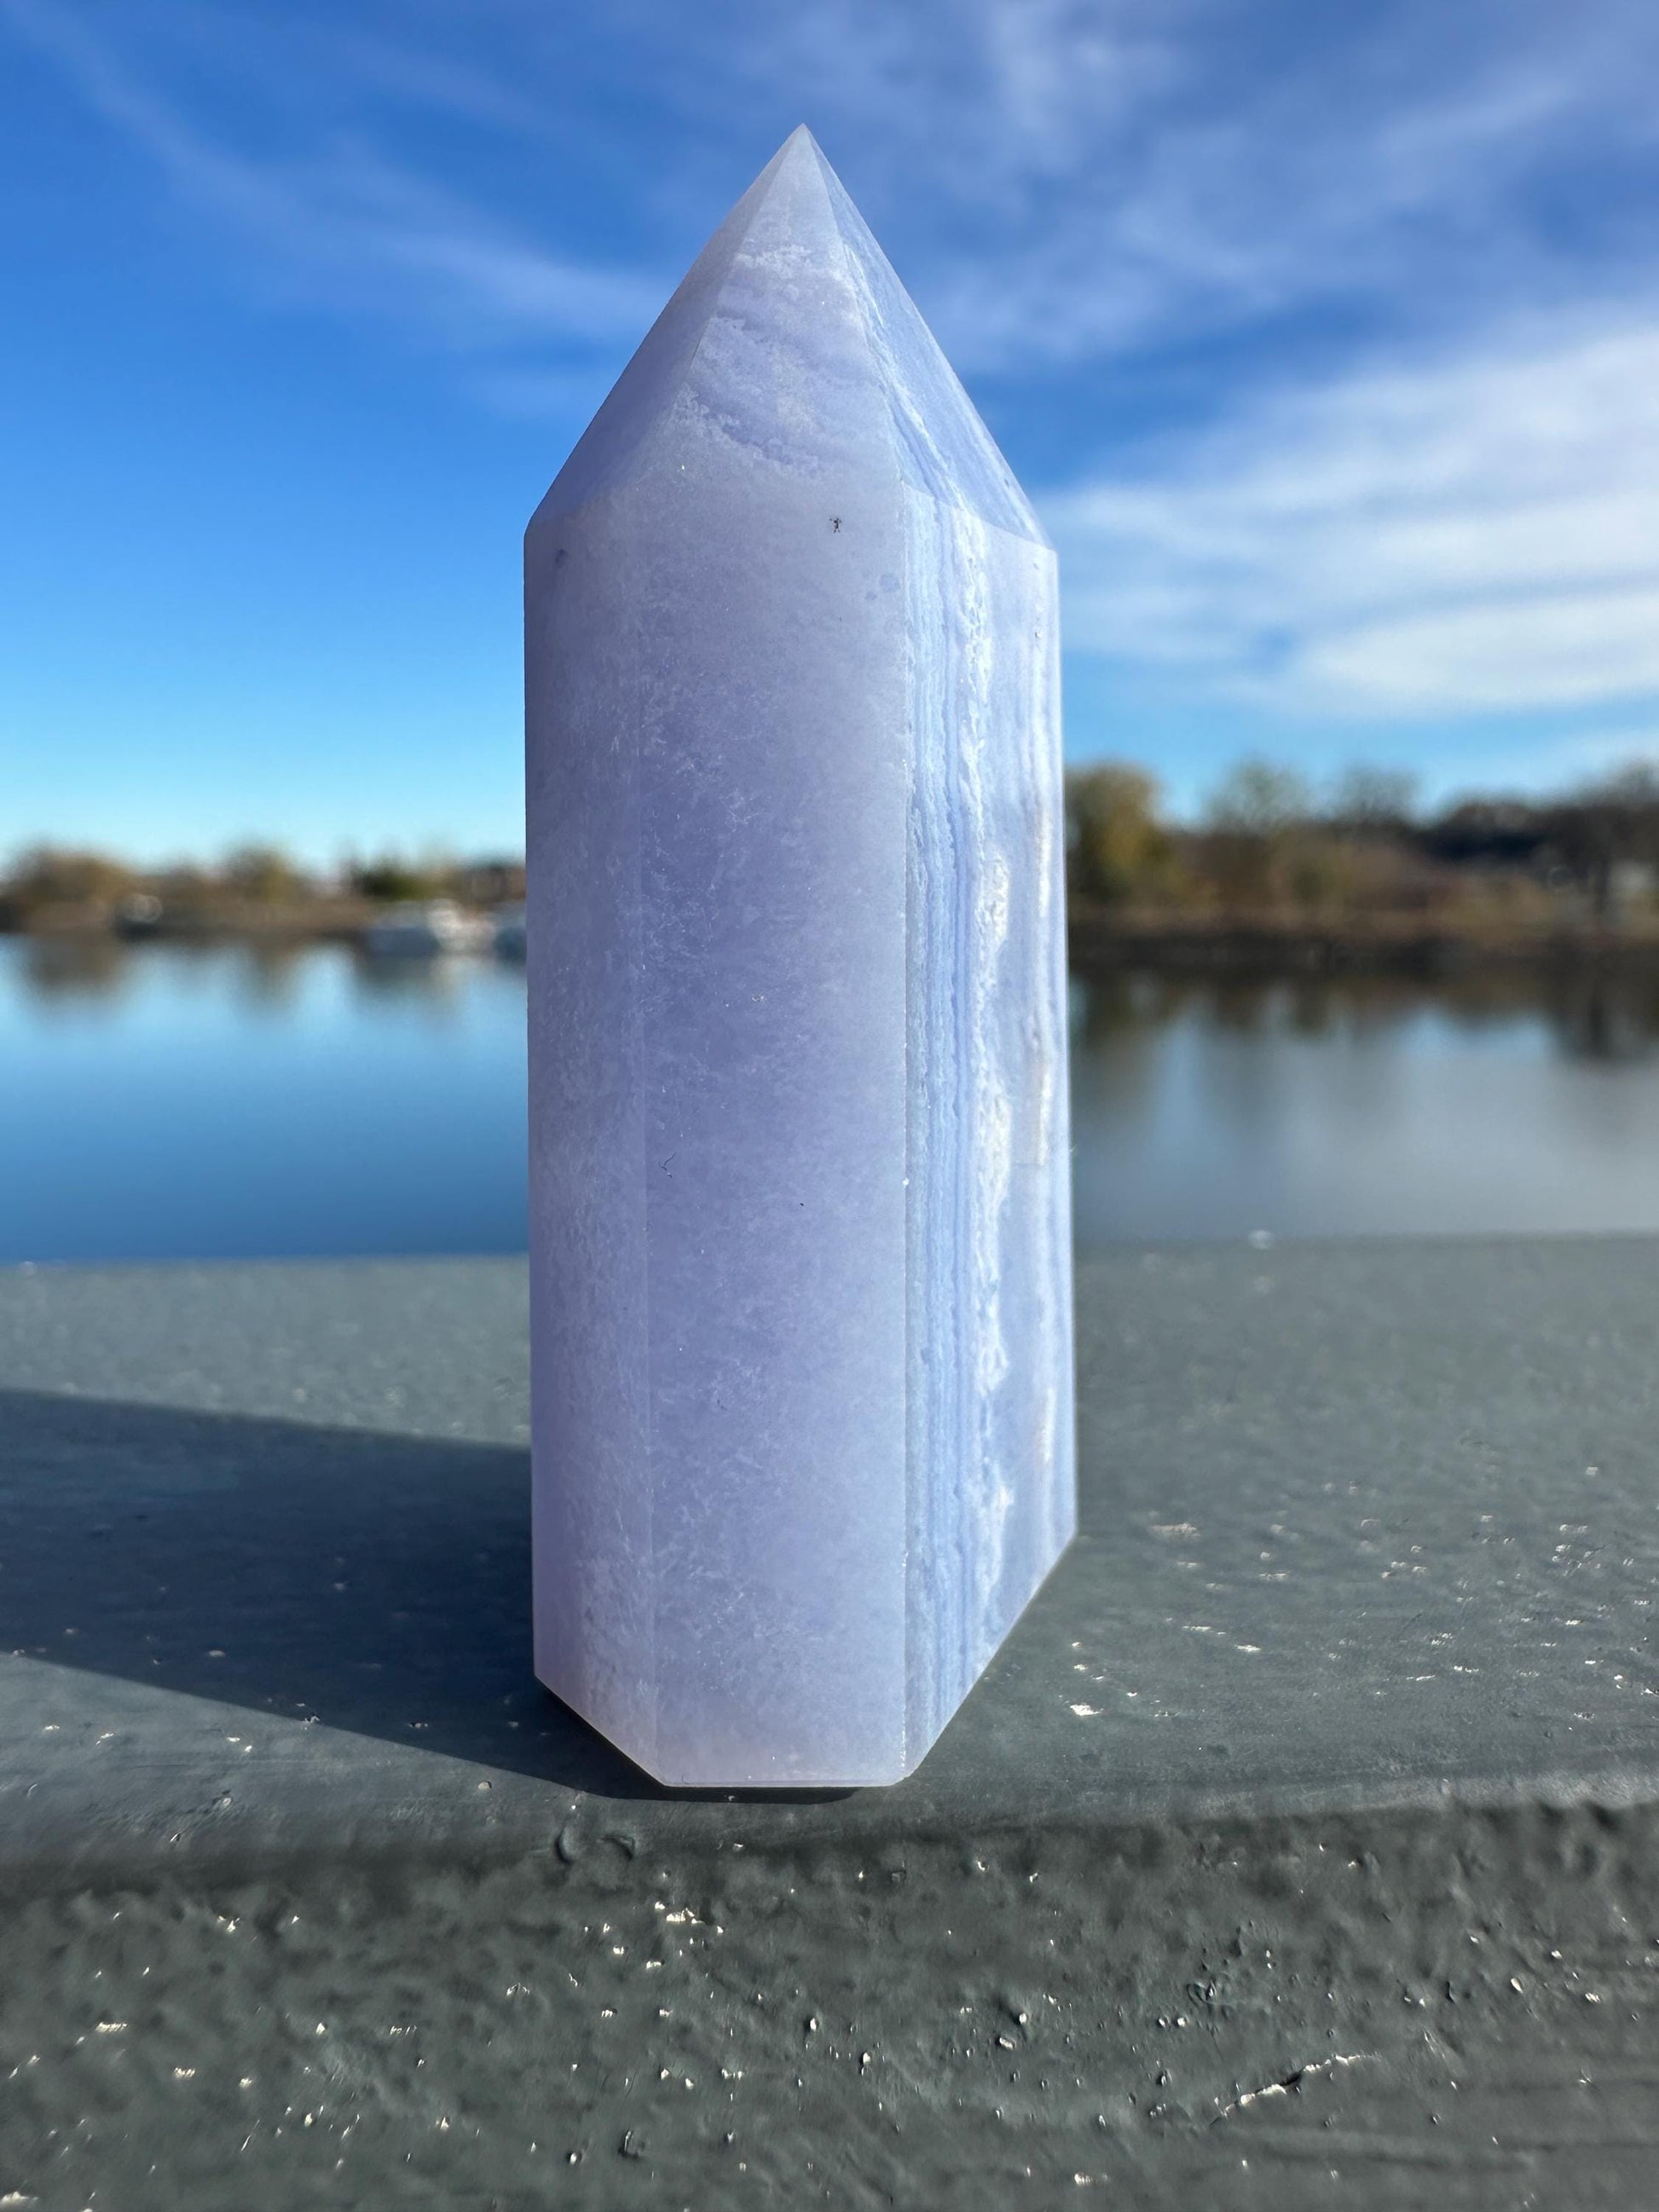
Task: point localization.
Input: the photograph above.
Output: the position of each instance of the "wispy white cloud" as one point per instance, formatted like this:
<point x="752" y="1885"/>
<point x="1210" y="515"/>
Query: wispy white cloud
<point x="1071" y="181"/>
<point x="1066" y="184"/>
<point x="1061" y="181"/>
<point x="1474" y="534"/>
<point x="335" y="220"/>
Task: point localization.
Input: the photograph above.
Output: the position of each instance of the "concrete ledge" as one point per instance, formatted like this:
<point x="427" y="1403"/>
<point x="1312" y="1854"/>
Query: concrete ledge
<point x="1338" y="1723"/>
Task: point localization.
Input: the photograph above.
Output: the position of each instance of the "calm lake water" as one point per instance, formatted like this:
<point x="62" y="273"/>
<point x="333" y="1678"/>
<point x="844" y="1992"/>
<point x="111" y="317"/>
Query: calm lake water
<point x="163" y="1103"/>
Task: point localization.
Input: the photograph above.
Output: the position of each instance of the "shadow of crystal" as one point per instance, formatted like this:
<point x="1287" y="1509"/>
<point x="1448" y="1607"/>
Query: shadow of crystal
<point x="378" y="1584"/>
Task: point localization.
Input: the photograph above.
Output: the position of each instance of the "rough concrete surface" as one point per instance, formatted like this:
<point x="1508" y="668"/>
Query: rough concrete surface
<point x="1301" y="1847"/>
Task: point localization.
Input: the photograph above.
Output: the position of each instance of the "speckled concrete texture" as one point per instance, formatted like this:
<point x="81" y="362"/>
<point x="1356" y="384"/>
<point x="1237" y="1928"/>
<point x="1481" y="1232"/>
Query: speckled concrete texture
<point x="1396" y="2010"/>
<point x="1299" y="1847"/>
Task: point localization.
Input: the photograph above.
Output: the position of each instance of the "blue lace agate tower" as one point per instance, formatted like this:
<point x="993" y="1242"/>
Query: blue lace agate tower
<point x="800" y="1216"/>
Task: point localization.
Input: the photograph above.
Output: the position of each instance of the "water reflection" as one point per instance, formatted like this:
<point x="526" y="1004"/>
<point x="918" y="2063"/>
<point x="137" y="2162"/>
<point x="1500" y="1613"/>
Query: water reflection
<point x="1592" y="1014"/>
<point x="432" y="987"/>
<point x="1506" y="1100"/>
<point x="169" y="1100"/>
<point x="271" y="978"/>
<point x="162" y="1101"/>
<point x="53" y="969"/>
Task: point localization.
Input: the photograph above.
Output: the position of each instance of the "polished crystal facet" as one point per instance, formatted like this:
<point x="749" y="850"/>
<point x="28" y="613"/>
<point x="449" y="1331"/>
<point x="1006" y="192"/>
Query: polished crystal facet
<point x="801" y="1253"/>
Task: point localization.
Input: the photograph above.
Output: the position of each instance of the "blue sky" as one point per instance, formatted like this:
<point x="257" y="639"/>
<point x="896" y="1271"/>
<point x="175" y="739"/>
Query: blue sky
<point x="1326" y="340"/>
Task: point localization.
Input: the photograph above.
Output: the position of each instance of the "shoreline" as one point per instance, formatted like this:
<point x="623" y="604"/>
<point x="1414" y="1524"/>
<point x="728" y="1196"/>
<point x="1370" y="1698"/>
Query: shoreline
<point x="1274" y="944"/>
<point x="1098" y="943"/>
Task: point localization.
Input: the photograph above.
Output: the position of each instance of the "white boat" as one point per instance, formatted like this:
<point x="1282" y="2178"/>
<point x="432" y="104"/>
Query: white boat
<point x="420" y="929"/>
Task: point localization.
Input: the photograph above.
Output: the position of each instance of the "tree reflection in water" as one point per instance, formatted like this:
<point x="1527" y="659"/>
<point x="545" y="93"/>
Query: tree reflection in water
<point x="1489" y="1101"/>
<point x="169" y="1100"/>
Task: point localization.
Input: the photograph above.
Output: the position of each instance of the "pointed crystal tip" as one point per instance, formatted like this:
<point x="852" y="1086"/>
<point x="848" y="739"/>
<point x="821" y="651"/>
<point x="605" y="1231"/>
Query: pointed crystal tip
<point x="792" y="339"/>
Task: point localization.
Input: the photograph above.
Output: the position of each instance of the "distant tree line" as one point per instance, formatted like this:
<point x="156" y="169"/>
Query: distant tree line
<point x="47" y="885"/>
<point x="1267" y="842"/>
